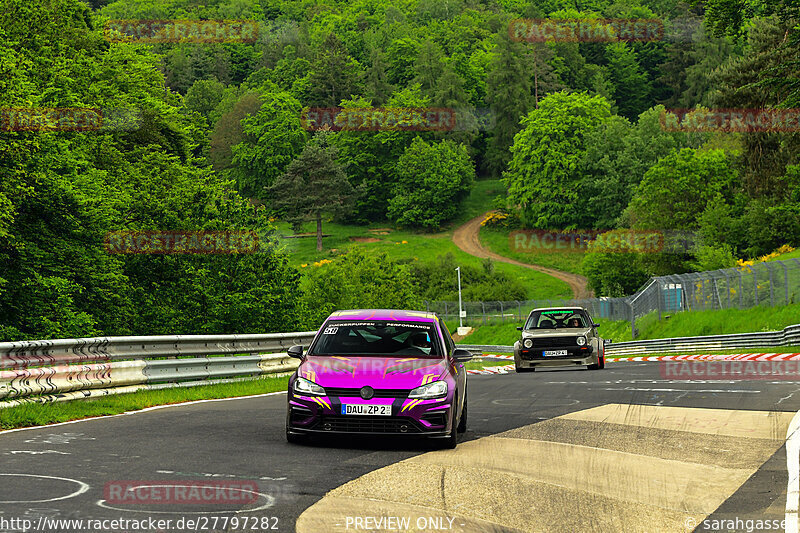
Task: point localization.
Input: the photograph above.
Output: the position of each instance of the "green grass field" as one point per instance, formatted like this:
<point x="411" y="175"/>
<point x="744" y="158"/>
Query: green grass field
<point x="498" y="241"/>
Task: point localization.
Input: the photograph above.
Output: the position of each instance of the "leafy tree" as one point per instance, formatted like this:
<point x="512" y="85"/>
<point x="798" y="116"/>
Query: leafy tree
<point x="431" y="181"/>
<point x="313" y="183"/>
<point x="204" y="96"/>
<point x="543" y="177"/>
<point x="428" y="68"/>
<point x="356" y="280"/>
<point x="678" y="188"/>
<point x="272" y="138"/>
<point x="632" y="88"/>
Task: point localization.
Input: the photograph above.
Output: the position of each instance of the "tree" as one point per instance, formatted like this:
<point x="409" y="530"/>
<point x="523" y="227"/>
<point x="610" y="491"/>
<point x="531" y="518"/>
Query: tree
<point x="544" y="174"/>
<point x="429" y="68"/>
<point x="632" y="88"/>
<point x="334" y="74"/>
<point x="313" y="183"/>
<point x="272" y="138"/>
<point x="676" y="190"/>
<point x="509" y="95"/>
<point x="431" y="181"/>
<point x="376" y="83"/>
<point x="204" y="96"/>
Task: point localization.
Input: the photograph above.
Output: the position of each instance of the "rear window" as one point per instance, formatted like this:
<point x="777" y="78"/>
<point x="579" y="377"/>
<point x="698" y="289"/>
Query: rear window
<point x="378" y="338"/>
<point x="553" y="319"/>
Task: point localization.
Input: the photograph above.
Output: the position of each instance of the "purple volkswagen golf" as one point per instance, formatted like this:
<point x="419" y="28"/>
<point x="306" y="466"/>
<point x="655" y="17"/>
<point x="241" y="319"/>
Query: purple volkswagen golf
<point x="381" y="372"/>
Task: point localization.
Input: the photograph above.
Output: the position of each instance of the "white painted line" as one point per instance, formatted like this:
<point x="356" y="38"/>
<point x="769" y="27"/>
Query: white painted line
<point x="145" y="410"/>
<point x="82" y="487"/>
<point x="793" y="469"/>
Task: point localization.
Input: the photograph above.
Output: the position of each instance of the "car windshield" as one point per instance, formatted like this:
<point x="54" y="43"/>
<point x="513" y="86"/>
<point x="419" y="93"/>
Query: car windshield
<point x="377" y="338"/>
<point x="560" y="318"/>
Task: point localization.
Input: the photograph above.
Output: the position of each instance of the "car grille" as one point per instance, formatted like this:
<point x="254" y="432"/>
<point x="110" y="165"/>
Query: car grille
<point x="553" y="342"/>
<point x="356" y="392"/>
<point x="367" y="424"/>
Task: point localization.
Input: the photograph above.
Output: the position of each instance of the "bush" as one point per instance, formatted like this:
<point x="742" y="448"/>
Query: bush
<point x="437" y="280"/>
<point x="431" y="181"/>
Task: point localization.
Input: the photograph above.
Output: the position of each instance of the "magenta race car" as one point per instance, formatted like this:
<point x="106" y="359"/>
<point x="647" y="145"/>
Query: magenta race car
<point x="379" y="372"/>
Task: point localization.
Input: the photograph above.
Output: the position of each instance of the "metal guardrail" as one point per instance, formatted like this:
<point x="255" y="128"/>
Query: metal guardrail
<point x="63" y="369"/>
<point x="789" y="336"/>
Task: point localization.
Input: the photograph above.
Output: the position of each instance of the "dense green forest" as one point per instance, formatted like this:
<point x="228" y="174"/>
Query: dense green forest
<point x="215" y="141"/>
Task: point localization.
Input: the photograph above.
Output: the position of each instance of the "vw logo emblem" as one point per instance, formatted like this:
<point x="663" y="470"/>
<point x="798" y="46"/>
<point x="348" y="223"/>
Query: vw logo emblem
<point x="367" y="392"/>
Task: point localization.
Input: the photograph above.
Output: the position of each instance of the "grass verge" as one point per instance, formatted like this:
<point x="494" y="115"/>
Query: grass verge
<point x="763" y="349"/>
<point x="39" y="414"/>
<point x="497" y="240"/>
<point x="686" y="324"/>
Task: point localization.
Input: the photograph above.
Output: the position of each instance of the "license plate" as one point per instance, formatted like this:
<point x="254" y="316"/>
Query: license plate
<point x="551" y="353"/>
<point x="380" y="410"/>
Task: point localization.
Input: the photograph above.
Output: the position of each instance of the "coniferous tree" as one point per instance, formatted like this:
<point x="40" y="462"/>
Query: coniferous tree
<point x="313" y="184"/>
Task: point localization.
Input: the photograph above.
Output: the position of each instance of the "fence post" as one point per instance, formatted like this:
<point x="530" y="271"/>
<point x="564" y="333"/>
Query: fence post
<point x="785" y="282"/>
<point x="445" y="308"/>
<point x="427" y="307"/>
<point x="519" y="310"/>
<point x="502" y="313"/>
<point x="658" y="300"/>
<point x="755" y="286"/>
<point x="741" y="298"/>
<point x="771" y="280"/>
<point x="727" y="287"/>
<point x="483" y="308"/>
<point x="633" y="321"/>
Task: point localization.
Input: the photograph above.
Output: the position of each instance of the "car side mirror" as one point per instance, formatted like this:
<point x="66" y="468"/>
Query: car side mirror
<point x="520" y="328"/>
<point x="595" y="325"/>
<point x="461" y="355"/>
<point x="295" y="351"/>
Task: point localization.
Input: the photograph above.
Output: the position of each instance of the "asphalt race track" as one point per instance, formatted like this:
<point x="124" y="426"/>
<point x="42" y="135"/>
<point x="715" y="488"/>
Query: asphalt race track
<point x="620" y="449"/>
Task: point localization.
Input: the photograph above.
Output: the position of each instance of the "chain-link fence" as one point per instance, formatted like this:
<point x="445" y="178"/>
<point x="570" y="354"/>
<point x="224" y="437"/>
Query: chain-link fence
<point x="765" y="283"/>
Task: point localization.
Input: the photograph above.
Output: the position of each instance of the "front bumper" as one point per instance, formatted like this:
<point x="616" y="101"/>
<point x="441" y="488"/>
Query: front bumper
<point x="322" y="415"/>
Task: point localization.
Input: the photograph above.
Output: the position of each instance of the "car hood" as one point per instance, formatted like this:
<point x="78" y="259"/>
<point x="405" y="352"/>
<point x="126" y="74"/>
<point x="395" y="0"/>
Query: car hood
<point x="560" y="332"/>
<point x="377" y="372"/>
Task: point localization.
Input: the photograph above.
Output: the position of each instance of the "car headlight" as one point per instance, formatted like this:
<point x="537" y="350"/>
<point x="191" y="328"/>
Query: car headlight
<point x="307" y="388"/>
<point x="581" y="340"/>
<point x="528" y="343"/>
<point x="435" y="389"/>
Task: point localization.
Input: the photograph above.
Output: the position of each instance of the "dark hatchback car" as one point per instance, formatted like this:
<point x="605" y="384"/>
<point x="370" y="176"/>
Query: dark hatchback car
<point x="380" y="372"/>
<point x="559" y="336"/>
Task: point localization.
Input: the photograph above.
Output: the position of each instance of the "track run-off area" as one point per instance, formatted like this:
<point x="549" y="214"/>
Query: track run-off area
<point x="619" y="449"/>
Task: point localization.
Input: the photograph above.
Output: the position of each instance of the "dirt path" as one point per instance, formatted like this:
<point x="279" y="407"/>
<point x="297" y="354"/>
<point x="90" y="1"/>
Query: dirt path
<point x="466" y="237"/>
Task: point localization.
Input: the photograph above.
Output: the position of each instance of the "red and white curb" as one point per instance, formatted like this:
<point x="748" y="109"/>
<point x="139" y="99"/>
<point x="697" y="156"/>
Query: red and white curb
<point x="505" y="369"/>
<point x="712" y="357"/>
